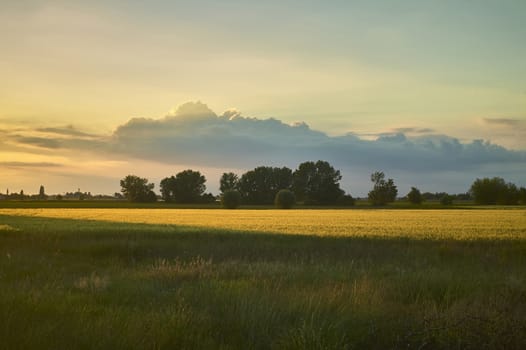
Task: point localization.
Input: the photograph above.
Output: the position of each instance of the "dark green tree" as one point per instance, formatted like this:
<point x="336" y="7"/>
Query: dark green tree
<point x="494" y="191"/>
<point x="137" y="189"/>
<point x="42" y="193"/>
<point x="446" y="199"/>
<point x="522" y="195"/>
<point x="317" y="183"/>
<point x="285" y="199"/>
<point x="383" y="191"/>
<point x="230" y="199"/>
<point x="260" y="186"/>
<point x="166" y="187"/>
<point x="208" y="198"/>
<point x="414" y="196"/>
<point x="228" y="181"/>
<point x="187" y="186"/>
<point x="346" y="201"/>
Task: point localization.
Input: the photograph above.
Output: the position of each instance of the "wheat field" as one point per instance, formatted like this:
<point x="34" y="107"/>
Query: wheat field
<point x="421" y="224"/>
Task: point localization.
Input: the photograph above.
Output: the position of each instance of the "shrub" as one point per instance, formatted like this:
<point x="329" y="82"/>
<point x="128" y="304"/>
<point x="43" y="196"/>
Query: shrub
<point x="208" y="198"/>
<point x="446" y="200"/>
<point x="494" y="191"/>
<point x="346" y="200"/>
<point x="414" y="196"/>
<point x="231" y="199"/>
<point x="285" y="199"/>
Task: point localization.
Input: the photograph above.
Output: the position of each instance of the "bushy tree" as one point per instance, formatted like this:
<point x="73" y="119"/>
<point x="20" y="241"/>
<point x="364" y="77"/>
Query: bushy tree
<point x="42" y="193"/>
<point x="346" y="201"/>
<point x="167" y="186"/>
<point x="228" y="181"/>
<point x="317" y="183"/>
<point x="522" y="195"/>
<point x="285" y="199"/>
<point x="260" y="186"/>
<point x="446" y="199"/>
<point x="494" y="191"/>
<point x="414" y="196"/>
<point x="383" y="191"/>
<point x="208" y="198"/>
<point x="231" y="199"/>
<point x="137" y="189"/>
<point x="187" y="186"/>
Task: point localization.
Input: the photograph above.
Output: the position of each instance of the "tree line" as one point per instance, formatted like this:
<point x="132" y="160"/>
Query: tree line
<point x="316" y="183"/>
<point x="312" y="183"/>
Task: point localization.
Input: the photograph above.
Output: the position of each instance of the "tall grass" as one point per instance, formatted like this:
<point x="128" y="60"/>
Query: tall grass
<point x="86" y="284"/>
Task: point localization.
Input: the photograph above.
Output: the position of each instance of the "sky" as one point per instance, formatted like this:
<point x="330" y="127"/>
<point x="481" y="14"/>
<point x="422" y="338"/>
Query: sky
<point x="433" y="93"/>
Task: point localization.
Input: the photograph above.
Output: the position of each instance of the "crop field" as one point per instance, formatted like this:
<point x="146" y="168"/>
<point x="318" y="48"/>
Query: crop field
<point x="262" y="279"/>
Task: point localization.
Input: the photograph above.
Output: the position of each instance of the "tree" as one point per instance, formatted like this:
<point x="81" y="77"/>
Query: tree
<point x="494" y="191"/>
<point x="383" y="191"/>
<point x="42" y="193"/>
<point x="260" y="186"/>
<point x="285" y="199"/>
<point x="522" y="195"/>
<point x="230" y="199"/>
<point x="137" y="189"/>
<point x="317" y="183"/>
<point x="166" y="187"/>
<point x="446" y="199"/>
<point x="187" y="186"/>
<point x="346" y="201"/>
<point x="208" y="198"/>
<point x="414" y="196"/>
<point x="228" y="181"/>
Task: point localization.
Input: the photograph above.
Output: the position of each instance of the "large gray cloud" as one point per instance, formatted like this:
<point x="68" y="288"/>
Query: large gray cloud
<point x="196" y="136"/>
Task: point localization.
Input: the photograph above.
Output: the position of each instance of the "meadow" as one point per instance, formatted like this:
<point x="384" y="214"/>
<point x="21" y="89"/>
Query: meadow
<point x="262" y="279"/>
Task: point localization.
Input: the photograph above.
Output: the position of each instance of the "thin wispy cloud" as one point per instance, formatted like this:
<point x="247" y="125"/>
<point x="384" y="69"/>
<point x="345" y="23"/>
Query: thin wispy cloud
<point x="505" y="121"/>
<point x="30" y="165"/>
<point x="412" y="130"/>
<point x="66" y="131"/>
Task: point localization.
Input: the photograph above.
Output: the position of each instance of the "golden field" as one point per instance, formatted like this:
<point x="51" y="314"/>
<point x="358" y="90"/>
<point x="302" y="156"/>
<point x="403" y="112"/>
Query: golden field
<point x="462" y="224"/>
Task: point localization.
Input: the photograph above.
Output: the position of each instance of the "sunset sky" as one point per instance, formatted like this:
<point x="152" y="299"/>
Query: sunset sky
<point x="431" y="92"/>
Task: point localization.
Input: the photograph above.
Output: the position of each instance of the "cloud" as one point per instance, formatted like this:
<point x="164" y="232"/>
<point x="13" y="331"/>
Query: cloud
<point x="30" y="165"/>
<point x="195" y="136"/>
<point x="411" y="130"/>
<point x="504" y="121"/>
<point x="38" y="141"/>
<point x="51" y="139"/>
<point x="69" y="130"/>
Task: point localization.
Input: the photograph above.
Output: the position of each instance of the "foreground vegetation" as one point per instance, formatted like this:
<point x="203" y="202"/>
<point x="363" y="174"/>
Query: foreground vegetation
<point x="163" y="279"/>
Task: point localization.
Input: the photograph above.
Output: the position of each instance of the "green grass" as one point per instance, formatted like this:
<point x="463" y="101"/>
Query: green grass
<point x="80" y="284"/>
